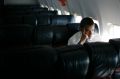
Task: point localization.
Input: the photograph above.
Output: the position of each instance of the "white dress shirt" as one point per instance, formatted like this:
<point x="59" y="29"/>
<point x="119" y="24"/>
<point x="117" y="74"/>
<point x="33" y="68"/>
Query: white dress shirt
<point x="75" y="39"/>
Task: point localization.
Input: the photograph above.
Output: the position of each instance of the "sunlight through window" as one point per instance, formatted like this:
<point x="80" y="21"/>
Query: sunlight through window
<point x="66" y="13"/>
<point x="77" y="18"/>
<point x="112" y="32"/>
<point x="59" y="12"/>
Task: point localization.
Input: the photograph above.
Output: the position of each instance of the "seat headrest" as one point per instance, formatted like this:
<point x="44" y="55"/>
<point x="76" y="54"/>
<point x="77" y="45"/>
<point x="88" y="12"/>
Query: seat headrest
<point x="62" y="19"/>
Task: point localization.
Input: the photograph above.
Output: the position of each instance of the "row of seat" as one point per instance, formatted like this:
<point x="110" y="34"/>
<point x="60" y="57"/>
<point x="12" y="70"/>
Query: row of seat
<point x="116" y="44"/>
<point x="22" y="9"/>
<point x="22" y="6"/>
<point x="91" y="61"/>
<point x="28" y="35"/>
<point x="24" y="50"/>
<point x="39" y="19"/>
<point x="34" y="14"/>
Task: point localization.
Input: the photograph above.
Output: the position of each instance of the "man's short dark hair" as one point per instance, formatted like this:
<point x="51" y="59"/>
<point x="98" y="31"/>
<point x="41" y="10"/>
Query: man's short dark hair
<point x="86" y="21"/>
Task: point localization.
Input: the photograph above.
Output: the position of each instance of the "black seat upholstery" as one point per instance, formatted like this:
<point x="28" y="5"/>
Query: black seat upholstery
<point x="74" y="26"/>
<point x="35" y="61"/>
<point x="51" y="35"/>
<point x="1" y="13"/>
<point x="104" y="59"/>
<point x="27" y="14"/>
<point x="116" y="43"/>
<point x="30" y="19"/>
<point x="15" y="35"/>
<point x="69" y="62"/>
<point x="43" y="20"/>
<point x="73" y="62"/>
<point x="13" y="19"/>
<point x="22" y="9"/>
<point x="33" y="40"/>
<point x="47" y="12"/>
<point x="43" y="36"/>
<point x="13" y="6"/>
<point x="44" y="61"/>
<point x="60" y="36"/>
<point x="62" y="19"/>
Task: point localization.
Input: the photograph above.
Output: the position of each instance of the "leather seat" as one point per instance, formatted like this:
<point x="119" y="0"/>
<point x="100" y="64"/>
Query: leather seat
<point x="60" y="36"/>
<point x="22" y="9"/>
<point x="73" y="62"/>
<point x="62" y="19"/>
<point x="36" y="61"/>
<point x="103" y="59"/>
<point x="47" y="13"/>
<point x="116" y="43"/>
<point x="43" y="20"/>
<point x="43" y="36"/>
<point x="16" y="35"/>
<point x="74" y="26"/>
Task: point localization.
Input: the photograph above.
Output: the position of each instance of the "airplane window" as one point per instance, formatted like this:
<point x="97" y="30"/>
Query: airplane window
<point x="51" y="8"/>
<point x="59" y="12"/>
<point x="113" y="32"/>
<point x="42" y="5"/>
<point x="66" y="13"/>
<point x="77" y="18"/>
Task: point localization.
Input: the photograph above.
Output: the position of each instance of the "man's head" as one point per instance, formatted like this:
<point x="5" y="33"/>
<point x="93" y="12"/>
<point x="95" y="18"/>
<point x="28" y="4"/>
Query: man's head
<point x="87" y="26"/>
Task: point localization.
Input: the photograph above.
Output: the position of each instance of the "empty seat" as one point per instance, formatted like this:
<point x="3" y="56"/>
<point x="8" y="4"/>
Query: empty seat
<point x="43" y="20"/>
<point x="116" y="43"/>
<point x="55" y="35"/>
<point x="30" y="19"/>
<point x="23" y="12"/>
<point x="103" y="59"/>
<point x="74" y="26"/>
<point x="15" y="35"/>
<point x="13" y="20"/>
<point x="46" y="13"/>
<point x="14" y="6"/>
<point x="43" y="36"/>
<point x="73" y="62"/>
<point x="60" y="35"/>
<point x="62" y="19"/>
<point x="22" y="9"/>
<point x="35" y="61"/>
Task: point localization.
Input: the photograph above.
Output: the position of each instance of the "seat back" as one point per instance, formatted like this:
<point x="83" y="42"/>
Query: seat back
<point x="16" y="35"/>
<point x="73" y="62"/>
<point x="104" y="59"/>
<point x="116" y="43"/>
<point x="38" y="62"/>
<point x="62" y="19"/>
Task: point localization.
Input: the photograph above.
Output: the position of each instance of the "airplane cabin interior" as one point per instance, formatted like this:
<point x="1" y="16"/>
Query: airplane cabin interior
<point x="34" y="38"/>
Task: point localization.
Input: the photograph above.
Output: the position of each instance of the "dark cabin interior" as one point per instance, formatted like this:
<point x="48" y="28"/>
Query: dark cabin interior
<point x="33" y="44"/>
